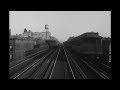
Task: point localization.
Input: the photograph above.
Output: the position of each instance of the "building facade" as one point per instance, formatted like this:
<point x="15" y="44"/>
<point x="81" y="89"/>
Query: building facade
<point x="18" y="46"/>
<point x="42" y="35"/>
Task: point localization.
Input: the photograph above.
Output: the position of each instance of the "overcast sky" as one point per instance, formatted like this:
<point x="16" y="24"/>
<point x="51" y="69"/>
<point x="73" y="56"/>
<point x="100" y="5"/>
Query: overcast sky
<point x="62" y="24"/>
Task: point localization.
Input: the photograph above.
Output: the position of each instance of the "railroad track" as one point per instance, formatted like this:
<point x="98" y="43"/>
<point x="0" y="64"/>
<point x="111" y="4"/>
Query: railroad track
<point x="91" y="70"/>
<point x="56" y="64"/>
<point x="42" y="70"/>
<point x="70" y="71"/>
<point x="44" y="67"/>
<point x="17" y="61"/>
<point x="17" y="70"/>
<point x="78" y="72"/>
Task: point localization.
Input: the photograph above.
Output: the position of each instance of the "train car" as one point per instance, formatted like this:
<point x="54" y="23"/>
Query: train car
<point x="87" y="43"/>
<point x="106" y="44"/>
<point x="41" y="44"/>
<point x="52" y="43"/>
<point x="91" y="45"/>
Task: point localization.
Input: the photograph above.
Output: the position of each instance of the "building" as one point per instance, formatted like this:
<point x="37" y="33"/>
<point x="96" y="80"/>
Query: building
<point x="25" y="33"/>
<point x="18" y="46"/>
<point x="42" y="35"/>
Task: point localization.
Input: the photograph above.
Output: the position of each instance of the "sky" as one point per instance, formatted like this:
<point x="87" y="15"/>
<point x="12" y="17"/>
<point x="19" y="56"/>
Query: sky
<point x="62" y="24"/>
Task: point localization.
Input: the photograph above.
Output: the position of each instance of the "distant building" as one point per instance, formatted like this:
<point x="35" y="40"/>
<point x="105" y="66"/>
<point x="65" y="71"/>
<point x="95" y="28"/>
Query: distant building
<point x="25" y="33"/>
<point x="46" y="35"/>
<point x="41" y="35"/>
<point x="31" y="34"/>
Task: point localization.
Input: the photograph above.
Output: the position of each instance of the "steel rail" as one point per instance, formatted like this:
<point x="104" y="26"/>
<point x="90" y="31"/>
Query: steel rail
<point x="78" y="67"/>
<point x="69" y="65"/>
<point x="54" y="64"/>
<point x="103" y="76"/>
<point x="25" y="60"/>
<point x="27" y="56"/>
<point x="31" y="65"/>
<point x="44" y="67"/>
